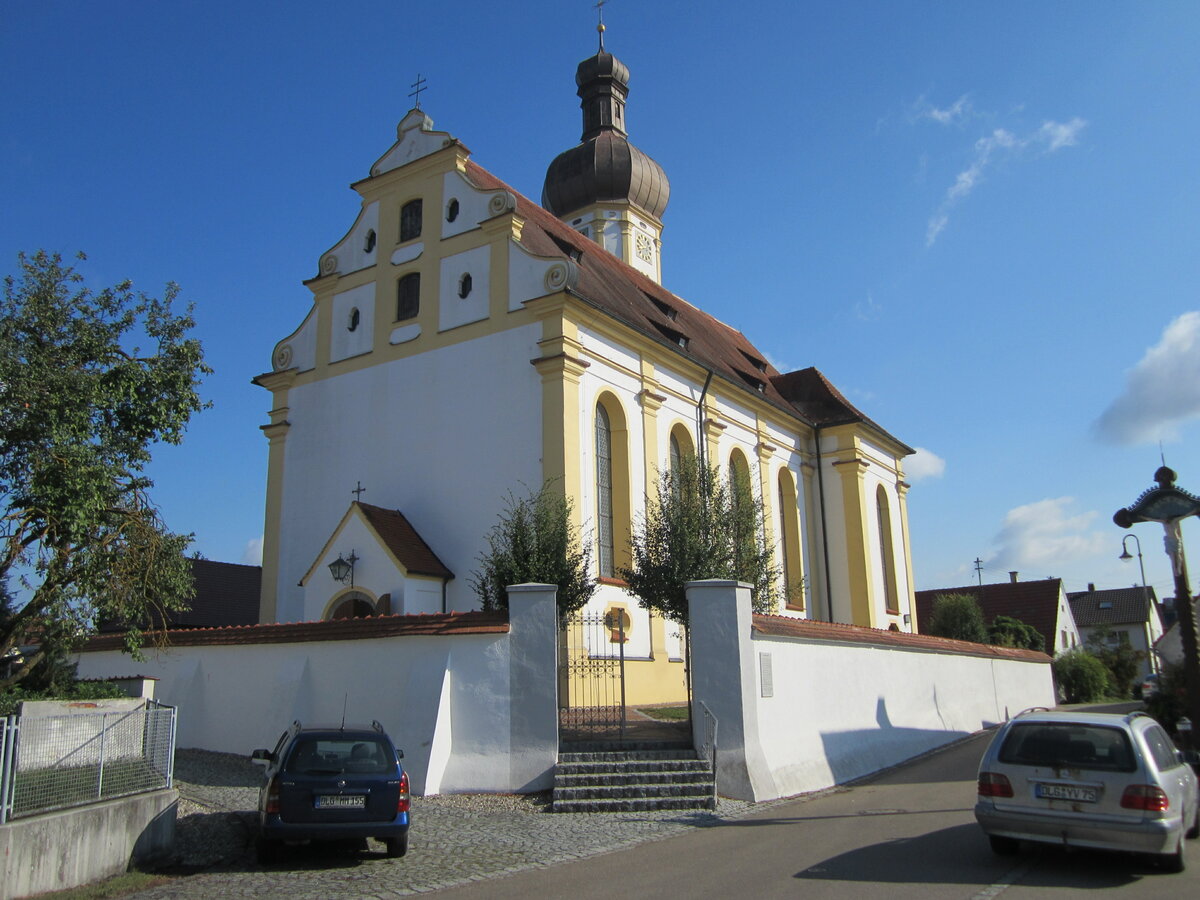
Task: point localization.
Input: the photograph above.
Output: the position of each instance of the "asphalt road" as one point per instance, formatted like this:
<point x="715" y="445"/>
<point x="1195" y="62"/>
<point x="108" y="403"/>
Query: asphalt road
<point x="907" y="834"/>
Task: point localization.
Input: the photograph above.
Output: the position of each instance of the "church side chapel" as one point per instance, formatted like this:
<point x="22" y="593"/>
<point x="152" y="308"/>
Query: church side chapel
<point x="465" y="342"/>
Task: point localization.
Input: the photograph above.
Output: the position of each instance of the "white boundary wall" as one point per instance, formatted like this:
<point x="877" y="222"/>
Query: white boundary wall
<point x="800" y="714"/>
<point x="444" y="699"/>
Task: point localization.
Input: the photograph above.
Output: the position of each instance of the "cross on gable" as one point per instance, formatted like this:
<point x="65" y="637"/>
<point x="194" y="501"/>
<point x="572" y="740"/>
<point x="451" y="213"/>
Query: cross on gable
<point x="417" y="87"/>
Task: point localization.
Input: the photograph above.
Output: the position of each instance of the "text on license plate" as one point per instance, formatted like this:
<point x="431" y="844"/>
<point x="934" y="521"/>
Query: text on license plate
<point x="1067" y="792"/>
<point x="341" y="801"/>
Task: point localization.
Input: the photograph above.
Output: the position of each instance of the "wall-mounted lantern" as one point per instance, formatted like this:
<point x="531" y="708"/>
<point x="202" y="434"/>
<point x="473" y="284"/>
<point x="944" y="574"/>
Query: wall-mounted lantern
<point x="343" y="569"/>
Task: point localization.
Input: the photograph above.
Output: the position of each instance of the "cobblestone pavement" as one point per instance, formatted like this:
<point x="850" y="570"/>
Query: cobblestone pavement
<point x="454" y="839"/>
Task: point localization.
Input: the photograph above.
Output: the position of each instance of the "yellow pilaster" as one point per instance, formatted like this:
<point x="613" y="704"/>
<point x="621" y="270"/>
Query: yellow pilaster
<point x="278" y="383"/>
<point x="858" y="555"/>
<point x="908" y="600"/>
<point x="560" y="366"/>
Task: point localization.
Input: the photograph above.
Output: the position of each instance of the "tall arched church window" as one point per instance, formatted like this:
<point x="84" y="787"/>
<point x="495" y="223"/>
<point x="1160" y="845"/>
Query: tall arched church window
<point x="613" y="509"/>
<point x="676" y="455"/>
<point x="604" y="492"/>
<point x="742" y="506"/>
<point x="408" y="296"/>
<point x="410" y="221"/>
<point x="789" y="542"/>
<point x="883" y="516"/>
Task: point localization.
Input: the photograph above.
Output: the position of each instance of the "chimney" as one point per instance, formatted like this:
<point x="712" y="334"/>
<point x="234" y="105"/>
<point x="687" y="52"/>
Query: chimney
<point x="1091" y="588"/>
<point x="1012" y="577"/>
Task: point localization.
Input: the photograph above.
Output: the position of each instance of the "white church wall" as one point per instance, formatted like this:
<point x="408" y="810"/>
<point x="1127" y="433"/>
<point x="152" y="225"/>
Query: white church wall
<point x="353" y="322"/>
<point x="398" y="428"/>
<point x="299" y="349"/>
<point x="454" y="309"/>
<point x="351" y="253"/>
<point x="472" y="205"/>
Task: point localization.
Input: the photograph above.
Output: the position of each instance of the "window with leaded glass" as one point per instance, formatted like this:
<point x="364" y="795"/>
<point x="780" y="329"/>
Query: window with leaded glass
<point x="410" y="221"/>
<point x="408" y="296"/>
<point x="604" y="493"/>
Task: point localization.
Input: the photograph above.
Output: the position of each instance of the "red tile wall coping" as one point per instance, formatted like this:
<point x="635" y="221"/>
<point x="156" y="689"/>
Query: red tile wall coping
<point x="433" y="624"/>
<point x="786" y="626"/>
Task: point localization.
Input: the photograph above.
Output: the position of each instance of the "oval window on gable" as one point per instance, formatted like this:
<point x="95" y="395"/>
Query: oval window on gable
<point x="452" y="210"/>
<point x="464" y="285"/>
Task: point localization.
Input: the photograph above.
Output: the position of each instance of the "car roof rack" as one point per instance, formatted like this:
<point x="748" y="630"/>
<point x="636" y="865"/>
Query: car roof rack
<point x="375" y="724"/>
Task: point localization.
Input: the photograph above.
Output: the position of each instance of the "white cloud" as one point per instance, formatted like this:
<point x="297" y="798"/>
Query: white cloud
<point x="958" y="110"/>
<point x="252" y="554"/>
<point x="1059" y="134"/>
<point x="1053" y="135"/>
<point x="924" y="464"/>
<point x="1041" y="538"/>
<point x="867" y="310"/>
<point x="1161" y="392"/>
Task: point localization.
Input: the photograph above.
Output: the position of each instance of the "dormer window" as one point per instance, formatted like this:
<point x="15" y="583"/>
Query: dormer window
<point x="755" y="383"/>
<point x="675" y="337"/>
<point x="410" y="221"/>
<point x="754" y="361"/>
<point x="665" y="308"/>
<point x="1106" y="604"/>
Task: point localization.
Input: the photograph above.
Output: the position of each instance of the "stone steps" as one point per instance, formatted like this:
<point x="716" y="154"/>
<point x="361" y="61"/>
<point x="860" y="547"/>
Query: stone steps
<point x="617" y="777"/>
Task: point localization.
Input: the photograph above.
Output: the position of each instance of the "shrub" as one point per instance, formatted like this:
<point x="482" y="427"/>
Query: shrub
<point x="959" y="617"/>
<point x="1080" y="676"/>
<point x="1169" y="704"/>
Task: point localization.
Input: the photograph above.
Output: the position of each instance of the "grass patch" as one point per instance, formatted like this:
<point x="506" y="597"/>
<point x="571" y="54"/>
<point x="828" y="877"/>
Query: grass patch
<point x="55" y="788"/>
<point x="120" y="886"/>
<point x="665" y="713"/>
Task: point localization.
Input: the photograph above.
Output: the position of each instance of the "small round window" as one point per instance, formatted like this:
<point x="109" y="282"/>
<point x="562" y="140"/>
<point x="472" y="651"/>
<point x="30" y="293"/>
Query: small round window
<point x="464" y="285"/>
<point x="370" y="242"/>
<point x="452" y="210"/>
<point x="354" y="319"/>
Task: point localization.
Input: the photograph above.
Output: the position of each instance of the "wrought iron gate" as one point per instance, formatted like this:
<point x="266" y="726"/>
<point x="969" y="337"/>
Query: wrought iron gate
<point x="591" y="683"/>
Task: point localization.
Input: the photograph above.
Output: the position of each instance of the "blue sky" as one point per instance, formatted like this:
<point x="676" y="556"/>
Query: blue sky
<point x="979" y="220"/>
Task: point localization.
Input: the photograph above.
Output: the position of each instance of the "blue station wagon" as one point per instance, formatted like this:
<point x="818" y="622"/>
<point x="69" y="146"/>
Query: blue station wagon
<point x="327" y="783"/>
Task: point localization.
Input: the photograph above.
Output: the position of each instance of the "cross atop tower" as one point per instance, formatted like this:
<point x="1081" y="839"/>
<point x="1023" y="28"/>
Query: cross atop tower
<point x="599" y="5"/>
<point x="358" y="491"/>
<point x="417" y="86"/>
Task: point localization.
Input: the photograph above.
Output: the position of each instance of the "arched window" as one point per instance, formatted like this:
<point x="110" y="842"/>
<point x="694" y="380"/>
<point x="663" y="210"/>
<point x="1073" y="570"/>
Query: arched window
<point x="612" y="487"/>
<point x="408" y="296"/>
<point x="676" y="455"/>
<point x="883" y="517"/>
<point x="410" y="221"/>
<point x="604" y="492"/>
<point x="789" y="542"/>
<point x="353" y="606"/>
<point x="741" y="495"/>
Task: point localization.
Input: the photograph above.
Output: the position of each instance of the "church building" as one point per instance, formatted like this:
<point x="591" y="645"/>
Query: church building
<point x="465" y="343"/>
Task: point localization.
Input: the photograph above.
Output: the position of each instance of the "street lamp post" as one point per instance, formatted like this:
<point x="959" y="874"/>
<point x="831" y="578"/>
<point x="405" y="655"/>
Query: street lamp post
<point x="1169" y="506"/>
<point x="1148" y="630"/>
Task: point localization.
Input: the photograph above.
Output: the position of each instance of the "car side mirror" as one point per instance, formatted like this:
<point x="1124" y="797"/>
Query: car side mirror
<point x="261" y="757"/>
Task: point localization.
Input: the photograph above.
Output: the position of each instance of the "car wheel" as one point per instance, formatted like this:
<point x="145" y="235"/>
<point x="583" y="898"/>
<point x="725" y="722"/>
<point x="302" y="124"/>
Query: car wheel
<point x="1194" y="831"/>
<point x="268" y="851"/>
<point x="1173" y="862"/>
<point x="396" y="846"/>
<point x="1003" y="846"/>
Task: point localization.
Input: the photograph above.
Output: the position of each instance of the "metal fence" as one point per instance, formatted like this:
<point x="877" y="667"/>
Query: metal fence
<point x="55" y="762"/>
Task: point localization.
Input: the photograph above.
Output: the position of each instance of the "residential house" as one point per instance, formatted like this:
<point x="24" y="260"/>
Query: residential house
<point x="1042" y="604"/>
<point x="1127" y="616"/>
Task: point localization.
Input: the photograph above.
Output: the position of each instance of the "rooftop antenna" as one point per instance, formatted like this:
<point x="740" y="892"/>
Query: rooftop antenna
<point x="345" y="700"/>
<point x="417" y="86"/>
<point x="1161" y="454"/>
<point x="600" y="24"/>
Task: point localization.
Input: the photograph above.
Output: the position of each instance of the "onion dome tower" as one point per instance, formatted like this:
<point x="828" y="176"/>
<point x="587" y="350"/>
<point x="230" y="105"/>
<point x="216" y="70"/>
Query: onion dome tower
<point x="606" y="188"/>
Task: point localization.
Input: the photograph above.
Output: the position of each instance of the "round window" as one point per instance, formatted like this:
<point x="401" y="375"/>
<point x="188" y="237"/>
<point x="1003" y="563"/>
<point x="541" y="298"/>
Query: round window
<point x="354" y="318"/>
<point x="452" y="210"/>
<point x="464" y="285"/>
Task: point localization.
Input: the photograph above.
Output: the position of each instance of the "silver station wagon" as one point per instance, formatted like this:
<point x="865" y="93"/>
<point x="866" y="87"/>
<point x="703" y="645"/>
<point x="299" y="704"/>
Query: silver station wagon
<point x="1081" y="779"/>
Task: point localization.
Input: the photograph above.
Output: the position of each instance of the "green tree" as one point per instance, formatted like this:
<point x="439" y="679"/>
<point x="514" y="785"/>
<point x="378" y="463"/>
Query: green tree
<point x="1123" y="663"/>
<point x="959" y="617"/>
<point x="81" y="406"/>
<point x="699" y="526"/>
<point x="1080" y="676"/>
<point x="1005" y="631"/>
<point x="534" y="542"/>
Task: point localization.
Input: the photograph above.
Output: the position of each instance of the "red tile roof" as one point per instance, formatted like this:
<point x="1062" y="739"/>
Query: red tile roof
<point x="786" y="626"/>
<point x="1032" y="602"/>
<point x="402" y="540"/>
<point x="226" y="594"/>
<point x="627" y="295"/>
<point x="332" y="630"/>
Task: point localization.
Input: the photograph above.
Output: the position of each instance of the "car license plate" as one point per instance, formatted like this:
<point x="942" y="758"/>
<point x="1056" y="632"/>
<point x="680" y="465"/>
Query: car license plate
<point x="341" y="801"/>
<point x="1067" y="792"/>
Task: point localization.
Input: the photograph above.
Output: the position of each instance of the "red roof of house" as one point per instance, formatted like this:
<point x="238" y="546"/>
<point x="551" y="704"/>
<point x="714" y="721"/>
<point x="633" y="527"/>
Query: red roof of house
<point x="627" y="295"/>
<point x="398" y="534"/>
<point x="1033" y="602"/>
